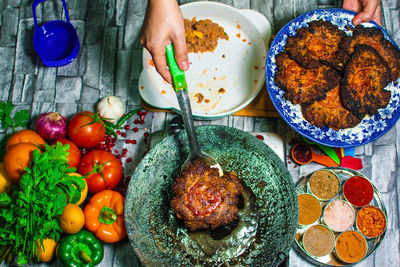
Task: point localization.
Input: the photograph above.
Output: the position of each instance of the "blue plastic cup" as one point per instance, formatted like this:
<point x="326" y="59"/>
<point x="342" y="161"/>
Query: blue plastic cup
<point x="56" y="42"/>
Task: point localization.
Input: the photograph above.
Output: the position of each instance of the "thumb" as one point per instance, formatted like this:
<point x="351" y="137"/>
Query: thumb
<point x="181" y="54"/>
<point x="368" y="13"/>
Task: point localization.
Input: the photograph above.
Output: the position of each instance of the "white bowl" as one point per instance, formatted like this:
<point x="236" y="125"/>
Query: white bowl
<point x="237" y="65"/>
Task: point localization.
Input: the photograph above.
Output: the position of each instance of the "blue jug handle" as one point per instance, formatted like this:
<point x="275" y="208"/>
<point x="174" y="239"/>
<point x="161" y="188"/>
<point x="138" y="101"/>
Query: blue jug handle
<point x="37" y="2"/>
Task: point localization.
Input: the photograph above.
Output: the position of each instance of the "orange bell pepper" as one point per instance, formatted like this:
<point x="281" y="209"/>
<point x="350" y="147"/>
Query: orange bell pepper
<point x="104" y="216"/>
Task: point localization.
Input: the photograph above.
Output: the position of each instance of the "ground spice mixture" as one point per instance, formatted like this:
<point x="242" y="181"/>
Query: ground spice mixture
<point x="358" y="191"/>
<point x="203" y="35"/>
<point x="351" y="246"/>
<point x="309" y="209"/>
<point x="324" y="184"/>
<point x="371" y="221"/>
<point x="318" y="240"/>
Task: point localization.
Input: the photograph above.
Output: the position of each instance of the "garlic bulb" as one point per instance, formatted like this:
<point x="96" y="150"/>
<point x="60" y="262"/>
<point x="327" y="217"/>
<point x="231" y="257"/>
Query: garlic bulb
<point x="110" y="108"/>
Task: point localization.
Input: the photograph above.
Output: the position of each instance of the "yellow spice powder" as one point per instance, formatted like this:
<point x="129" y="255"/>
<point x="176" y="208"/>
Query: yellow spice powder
<point x="309" y="209"/>
<point x="351" y="246"/>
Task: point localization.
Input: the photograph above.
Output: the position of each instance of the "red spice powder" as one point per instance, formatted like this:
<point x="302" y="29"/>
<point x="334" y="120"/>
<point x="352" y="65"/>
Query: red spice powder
<point x="358" y="191"/>
<point x="302" y="153"/>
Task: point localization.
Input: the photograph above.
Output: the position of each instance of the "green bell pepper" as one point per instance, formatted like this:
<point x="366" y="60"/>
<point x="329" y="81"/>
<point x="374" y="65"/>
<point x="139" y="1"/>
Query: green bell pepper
<point x="82" y="249"/>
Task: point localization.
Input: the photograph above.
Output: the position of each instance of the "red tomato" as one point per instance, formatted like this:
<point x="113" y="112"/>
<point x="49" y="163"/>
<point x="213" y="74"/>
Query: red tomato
<point x="103" y="169"/>
<point x="86" y="129"/>
<point x="74" y="156"/>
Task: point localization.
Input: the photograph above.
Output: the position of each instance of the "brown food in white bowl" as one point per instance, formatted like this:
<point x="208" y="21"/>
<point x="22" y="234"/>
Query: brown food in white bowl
<point x="203" y="199"/>
<point x="203" y="35"/>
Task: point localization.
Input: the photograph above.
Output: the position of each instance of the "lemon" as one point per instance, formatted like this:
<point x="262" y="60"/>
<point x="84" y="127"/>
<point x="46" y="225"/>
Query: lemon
<point x="48" y="250"/>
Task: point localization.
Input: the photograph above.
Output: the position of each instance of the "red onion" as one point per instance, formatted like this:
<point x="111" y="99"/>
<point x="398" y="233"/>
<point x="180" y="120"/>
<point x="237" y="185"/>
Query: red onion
<point x="51" y="125"/>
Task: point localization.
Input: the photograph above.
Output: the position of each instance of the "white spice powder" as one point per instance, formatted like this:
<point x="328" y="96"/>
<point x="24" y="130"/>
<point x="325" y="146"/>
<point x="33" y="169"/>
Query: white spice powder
<point x="339" y="215"/>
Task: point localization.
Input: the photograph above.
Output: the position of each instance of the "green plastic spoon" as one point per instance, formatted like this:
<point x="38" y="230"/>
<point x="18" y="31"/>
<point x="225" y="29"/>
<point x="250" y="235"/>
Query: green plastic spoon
<point x="330" y="151"/>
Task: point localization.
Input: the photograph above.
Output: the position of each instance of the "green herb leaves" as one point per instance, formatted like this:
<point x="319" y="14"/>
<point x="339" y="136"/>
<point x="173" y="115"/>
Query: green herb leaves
<point x="20" y="119"/>
<point x="32" y="212"/>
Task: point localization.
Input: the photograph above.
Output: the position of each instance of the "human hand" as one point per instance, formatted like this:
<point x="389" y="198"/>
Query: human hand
<point x="367" y="10"/>
<point x="163" y="24"/>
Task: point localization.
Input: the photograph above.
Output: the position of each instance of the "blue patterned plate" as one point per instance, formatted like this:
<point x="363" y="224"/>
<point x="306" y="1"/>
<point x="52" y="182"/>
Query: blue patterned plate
<point x="369" y="129"/>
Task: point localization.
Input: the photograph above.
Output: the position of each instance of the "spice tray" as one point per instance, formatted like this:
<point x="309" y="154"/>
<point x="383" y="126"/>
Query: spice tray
<point x="331" y="259"/>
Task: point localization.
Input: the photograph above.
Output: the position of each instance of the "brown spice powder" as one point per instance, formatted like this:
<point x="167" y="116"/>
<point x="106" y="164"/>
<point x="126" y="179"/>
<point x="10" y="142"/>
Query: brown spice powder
<point x="318" y="240"/>
<point x="324" y="184"/>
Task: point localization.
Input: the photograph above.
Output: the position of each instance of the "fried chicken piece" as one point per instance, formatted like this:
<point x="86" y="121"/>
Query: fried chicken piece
<point x="330" y="112"/>
<point x="302" y="85"/>
<point x="364" y="79"/>
<point x="203" y="199"/>
<point x="375" y="38"/>
<point x="318" y="43"/>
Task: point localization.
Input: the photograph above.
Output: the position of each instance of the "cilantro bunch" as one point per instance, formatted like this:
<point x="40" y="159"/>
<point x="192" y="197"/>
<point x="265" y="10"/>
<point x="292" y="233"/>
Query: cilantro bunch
<point x="20" y="119"/>
<point x="32" y="212"/>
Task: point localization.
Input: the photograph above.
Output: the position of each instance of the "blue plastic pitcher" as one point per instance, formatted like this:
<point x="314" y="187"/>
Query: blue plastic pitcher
<point x="56" y="42"/>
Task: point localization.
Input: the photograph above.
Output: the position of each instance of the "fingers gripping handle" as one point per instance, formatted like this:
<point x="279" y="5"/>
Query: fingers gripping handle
<point x="178" y="75"/>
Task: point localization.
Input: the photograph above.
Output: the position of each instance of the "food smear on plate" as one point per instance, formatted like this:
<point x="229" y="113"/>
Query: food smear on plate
<point x="350" y="247"/>
<point x="364" y="63"/>
<point x="203" y="35"/>
<point x="203" y="199"/>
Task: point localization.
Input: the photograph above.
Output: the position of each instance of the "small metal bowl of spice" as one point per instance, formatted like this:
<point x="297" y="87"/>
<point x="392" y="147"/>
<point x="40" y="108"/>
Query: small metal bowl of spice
<point x="371" y="221"/>
<point x="339" y="215"/>
<point x="309" y="209"/>
<point x="324" y="184"/>
<point x="318" y="240"/>
<point x="350" y="247"/>
<point x="358" y="191"/>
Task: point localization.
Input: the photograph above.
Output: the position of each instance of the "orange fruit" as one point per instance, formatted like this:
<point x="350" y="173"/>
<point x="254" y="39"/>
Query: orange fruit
<point x="5" y="183"/>
<point x="16" y="159"/>
<point x="72" y="219"/>
<point x="25" y="136"/>
<point x="48" y="251"/>
<point x="83" y="192"/>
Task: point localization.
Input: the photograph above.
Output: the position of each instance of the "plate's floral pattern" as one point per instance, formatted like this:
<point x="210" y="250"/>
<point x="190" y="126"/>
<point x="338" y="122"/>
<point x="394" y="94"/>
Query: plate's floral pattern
<point x="369" y="129"/>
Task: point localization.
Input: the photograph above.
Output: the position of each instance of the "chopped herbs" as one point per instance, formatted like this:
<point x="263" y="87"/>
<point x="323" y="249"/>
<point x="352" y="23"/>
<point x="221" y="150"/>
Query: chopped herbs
<point x="32" y="211"/>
